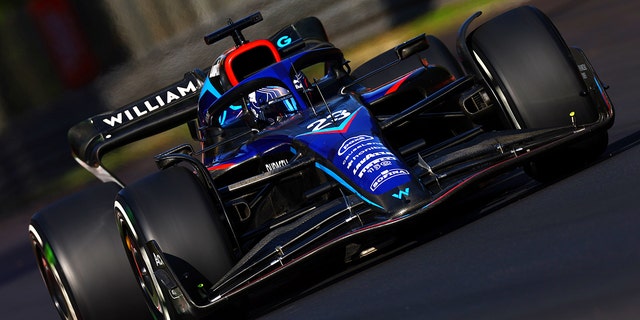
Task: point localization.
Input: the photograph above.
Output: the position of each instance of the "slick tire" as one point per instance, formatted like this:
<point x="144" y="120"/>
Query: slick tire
<point x="533" y="75"/>
<point x="80" y="258"/>
<point x="174" y="209"/>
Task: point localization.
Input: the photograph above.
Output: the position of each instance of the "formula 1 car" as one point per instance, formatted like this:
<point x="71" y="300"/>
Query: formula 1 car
<point x="306" y="168"/>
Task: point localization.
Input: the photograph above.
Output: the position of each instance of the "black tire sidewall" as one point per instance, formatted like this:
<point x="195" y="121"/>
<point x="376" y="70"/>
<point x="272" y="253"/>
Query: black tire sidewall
<point x="173" y="208"/>
<point x="530" y="63"/>
<point x="83" y="237"/>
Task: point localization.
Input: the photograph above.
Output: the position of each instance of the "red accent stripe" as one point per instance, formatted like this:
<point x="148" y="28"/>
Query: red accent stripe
<point x="397" y="85"/>
<point x="221" y="166"/>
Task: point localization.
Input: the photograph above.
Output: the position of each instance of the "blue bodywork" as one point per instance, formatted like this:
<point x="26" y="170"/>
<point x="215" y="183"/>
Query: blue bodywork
<point x="340" y="134"/>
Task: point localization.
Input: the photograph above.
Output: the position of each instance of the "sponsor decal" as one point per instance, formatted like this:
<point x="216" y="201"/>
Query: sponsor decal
<point x="149" y="105"/>
<point x="401" y="193"/>
<point x="356" y="151"/>
<point x="349" y="143"/>
<point x="276" y="165"/>
<point x="158" y="260"/>
<point x="369" y="161"/>
<point x="361" y="149"/>
<point x="386" y="175"/>
<point x="377" y="163"/>
<point x="283" y="41"/>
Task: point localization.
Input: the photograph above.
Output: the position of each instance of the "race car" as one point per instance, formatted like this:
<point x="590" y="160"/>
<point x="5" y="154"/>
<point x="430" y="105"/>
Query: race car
<point x="304" y="169"/>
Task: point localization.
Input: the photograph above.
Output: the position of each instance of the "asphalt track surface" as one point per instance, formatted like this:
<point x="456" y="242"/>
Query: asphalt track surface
<point x="568" y="250"/>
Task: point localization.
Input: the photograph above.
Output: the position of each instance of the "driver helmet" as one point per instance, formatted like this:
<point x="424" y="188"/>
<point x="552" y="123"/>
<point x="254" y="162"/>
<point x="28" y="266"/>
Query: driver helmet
<point x="268" y="105"/>
<point x="271" y="105"/>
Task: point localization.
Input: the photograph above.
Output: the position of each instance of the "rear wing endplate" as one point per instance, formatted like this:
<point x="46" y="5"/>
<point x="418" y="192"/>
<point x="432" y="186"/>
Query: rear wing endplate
<point x="160" y="111"/>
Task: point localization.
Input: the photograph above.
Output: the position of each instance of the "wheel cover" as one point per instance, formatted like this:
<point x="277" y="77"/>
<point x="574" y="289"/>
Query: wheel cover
<point x="141" y="264"/>
<point x="48" y="266"/>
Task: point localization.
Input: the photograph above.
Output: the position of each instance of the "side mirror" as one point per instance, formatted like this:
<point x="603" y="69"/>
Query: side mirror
<point x="412" y="47"/>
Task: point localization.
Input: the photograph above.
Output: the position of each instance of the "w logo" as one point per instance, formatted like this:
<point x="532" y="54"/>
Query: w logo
<point x="401" y="193"/>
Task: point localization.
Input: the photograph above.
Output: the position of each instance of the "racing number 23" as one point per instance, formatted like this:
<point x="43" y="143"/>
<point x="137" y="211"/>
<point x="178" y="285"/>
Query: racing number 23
<point x="323" y="123"/>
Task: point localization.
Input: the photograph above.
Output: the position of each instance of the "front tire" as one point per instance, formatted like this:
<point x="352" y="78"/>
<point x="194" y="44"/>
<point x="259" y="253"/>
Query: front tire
<point x="80" y="258"/>
<point x="174" y="209"/>
<point x="533" y="75"/>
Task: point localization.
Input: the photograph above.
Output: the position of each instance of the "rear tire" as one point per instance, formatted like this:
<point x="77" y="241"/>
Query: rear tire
<point x="81" y="260"/>
<point x="174" y="209"/>
<point x="533" y="75"/>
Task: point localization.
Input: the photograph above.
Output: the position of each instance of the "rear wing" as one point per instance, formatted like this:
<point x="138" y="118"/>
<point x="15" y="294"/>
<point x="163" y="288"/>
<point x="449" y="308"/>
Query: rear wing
<point x="160" y="111"/>
<point x="304" y="34"/>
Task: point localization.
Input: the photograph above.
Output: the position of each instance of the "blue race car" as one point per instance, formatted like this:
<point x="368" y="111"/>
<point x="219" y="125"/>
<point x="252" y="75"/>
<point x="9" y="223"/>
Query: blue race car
<point x="305" y="169"/>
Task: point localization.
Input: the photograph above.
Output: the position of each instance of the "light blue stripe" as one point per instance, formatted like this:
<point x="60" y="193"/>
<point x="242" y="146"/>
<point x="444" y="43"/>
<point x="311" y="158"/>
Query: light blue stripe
<point x="207" y="86"/>
<point x="345" y="184"/>
<point x="291" y="104"/>
<point x="223" y="117"/>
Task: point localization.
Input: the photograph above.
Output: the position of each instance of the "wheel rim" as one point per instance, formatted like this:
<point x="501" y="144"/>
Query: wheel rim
<point x="141" y="265"/>
<point x="48" y="266"/>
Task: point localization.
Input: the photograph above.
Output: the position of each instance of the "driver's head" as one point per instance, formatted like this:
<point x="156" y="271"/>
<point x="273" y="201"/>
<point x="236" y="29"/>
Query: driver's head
<point x="271" y="104"/>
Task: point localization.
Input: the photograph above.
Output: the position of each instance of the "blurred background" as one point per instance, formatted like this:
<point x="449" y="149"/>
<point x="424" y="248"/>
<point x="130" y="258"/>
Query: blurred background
<point x="66" y="60"/>
<point x="63" y="61"/>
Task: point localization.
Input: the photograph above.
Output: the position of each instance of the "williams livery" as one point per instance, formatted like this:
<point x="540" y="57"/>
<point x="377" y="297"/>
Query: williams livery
<point x="151" y="105"/>
<point x="303" y="169"/>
